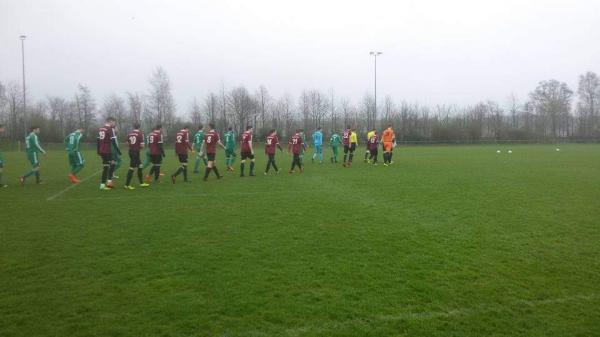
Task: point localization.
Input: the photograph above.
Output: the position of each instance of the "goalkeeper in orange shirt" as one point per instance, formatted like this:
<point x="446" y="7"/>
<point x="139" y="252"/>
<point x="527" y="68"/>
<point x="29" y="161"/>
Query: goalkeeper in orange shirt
<point x="389" y="141"/>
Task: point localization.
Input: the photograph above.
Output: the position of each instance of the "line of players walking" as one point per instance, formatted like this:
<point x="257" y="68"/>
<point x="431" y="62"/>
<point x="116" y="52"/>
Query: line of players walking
<point x="204" y="144"/>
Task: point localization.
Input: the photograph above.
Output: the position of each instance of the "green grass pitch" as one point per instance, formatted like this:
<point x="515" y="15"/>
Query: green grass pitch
<point x="449" y="241"/>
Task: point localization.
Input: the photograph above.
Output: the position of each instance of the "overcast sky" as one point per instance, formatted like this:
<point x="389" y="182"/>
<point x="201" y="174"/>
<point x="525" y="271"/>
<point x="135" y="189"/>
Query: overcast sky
<point x="434" y="52"/>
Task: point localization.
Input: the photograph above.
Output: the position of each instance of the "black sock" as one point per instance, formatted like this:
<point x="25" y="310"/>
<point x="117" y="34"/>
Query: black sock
<point x="274" y="165"/>
<point x="140" y="175"/>
<point x="184" y="170"/>
<point x="37" y="176"/>
<point x="366" y="155"/>
<point x="350" y="157"/>
<point x="242" y="164"/>
<point x="216" y="170"/>
<point x="156" y="172"/>
<point x="111" y="171"/>
<point x="129" y="176"/>
<point x="390" y="157"/>
<point x="251" y="168"/>
<point x="207" y="172"/>
<point x="179" y="170"/>
<point x="268" y="166"/>
<point x="345" y="156"/>
<point x="104" y="174"/>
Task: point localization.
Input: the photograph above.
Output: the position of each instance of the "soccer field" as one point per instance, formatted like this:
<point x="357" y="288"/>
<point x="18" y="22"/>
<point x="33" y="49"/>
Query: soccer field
<point x="448" y="241"/>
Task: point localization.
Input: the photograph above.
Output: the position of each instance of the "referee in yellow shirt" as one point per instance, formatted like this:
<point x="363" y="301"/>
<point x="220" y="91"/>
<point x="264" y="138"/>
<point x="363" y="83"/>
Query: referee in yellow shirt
<point x="353" y="145"/>
<point x="369" y="135"/>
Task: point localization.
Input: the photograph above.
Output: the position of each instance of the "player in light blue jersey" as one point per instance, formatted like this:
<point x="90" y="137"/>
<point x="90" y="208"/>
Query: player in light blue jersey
<point x="317" y="138"/>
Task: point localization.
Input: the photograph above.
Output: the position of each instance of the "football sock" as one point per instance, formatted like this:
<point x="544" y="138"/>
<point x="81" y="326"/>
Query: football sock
<point x="184" y="170"/>
<point x="391" y="156"/>
<point x="140" y="175"/>
<point x="179" y="170"/>
<point x="207" y="172"/>
<point x="345" y="156"/>
<point x="350" y="157"/>
<point x="78" y="168"/>
<point x="104" y="174"/>
<point x="151" y="171"/>
<point x="118" y="164"/>
<point x="111" y="171"/>
<point x="366" y="155"/>
<point x="197" y="165"/>
<point x="242" y="165"/>
<point x="216" y="170"/>
<point x="156" y="172"/>
<point x="251" y="168"/>
<point x="268" y="165"/>
<point x="129" y="176"/>
<point x="37" y="176"/>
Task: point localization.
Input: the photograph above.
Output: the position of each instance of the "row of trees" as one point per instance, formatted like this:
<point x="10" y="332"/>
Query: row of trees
<point x="549" y="113"/>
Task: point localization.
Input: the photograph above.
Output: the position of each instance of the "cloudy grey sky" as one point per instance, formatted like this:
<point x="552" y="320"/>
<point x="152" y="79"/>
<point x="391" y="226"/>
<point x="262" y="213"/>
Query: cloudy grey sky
<point x="435" y="52"/>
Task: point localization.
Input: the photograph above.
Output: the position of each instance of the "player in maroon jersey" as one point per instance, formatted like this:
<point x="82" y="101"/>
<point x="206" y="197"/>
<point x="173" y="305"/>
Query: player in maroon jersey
<point x="373" y="145"/>
<point x="107" y="139"/>
<point x="247" y="152"/>
<point x="346" y="142"/>
<point x="296" y="145"/>
<point x="209" y="146"/>
<point x="271" y="145"/>
<point x="182" y="146"/>
<point x="135" y="140"/>
<point x="157" y="152"/>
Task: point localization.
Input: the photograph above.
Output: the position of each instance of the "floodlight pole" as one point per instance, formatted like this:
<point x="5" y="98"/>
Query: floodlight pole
<point x="375" y="54"/>
<point x="23" y="37"/>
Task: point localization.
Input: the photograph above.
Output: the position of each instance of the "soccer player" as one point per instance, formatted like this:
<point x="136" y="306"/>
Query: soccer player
<point x="247" y="151"/>
<point x="157" y="152"/>
<point x="372" y="146"/>
<point x="388" y="144"/>
<point x="296" y="144"/>
<point x="335" y="142"/>
<point x="106" y="143"/>
<point x="72" y="145"/>
<point x="271" y="144"/>
<point x="229" y="148"/>
<point x="116" y="157"/>
<point x="33" y="147"/>
<point x="135" y="140"/>
<point x="353" y="145"/>
<point x="198" y="139"/>
<point x="182" y="146"/>
<point x="2" y="185"/>
<point x="318" y="144"/>
<point x="303" y="149"/>
<point x="346" y="143"/>
<point x="211" y="139"/>
<point x="368" y="152"/>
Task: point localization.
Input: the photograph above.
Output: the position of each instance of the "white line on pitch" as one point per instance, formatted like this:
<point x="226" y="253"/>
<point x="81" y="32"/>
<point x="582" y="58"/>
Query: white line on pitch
<point x="72" y="186"/>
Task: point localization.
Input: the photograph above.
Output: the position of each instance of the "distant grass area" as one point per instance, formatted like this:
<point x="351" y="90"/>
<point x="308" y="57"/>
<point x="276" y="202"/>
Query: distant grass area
<point x="448" y="241"/>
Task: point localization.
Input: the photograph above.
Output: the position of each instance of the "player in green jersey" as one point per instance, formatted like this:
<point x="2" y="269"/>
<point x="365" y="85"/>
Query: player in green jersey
<point x="197" y="146"/>
<point x="72" y="145"/>
<point x="335" y="141"/>
<point x="303" y="148"/>
<point x="33" y="148"/>
<point x="2" y="185"/>
<point x="229" y="139"/>
<point x="117" y="159"/>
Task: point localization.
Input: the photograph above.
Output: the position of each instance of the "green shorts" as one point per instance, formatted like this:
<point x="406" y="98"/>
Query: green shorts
<point x="1" y="161"/>
<point x="116" y="156"/>
<point x="33" y="158"/>
<point x="229" y="153"/>
<point x="75" y="158"/>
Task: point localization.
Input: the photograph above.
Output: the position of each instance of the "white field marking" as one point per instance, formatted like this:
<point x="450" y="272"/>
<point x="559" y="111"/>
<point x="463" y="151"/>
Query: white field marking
<point x="72" y="186"/>
<point x="425" y="315"/>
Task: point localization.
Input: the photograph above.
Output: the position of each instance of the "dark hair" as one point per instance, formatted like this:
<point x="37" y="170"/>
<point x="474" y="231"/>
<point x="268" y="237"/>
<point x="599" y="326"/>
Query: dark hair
<point x="248" y="127"/>
<point x="211" y="125"/>
<point x="33" y="128"/>
<point x="319" y="128"/>
<point x="390" y="125"/>
<point x="110" y="119"/>
<point x="158" y="126"/>
<point x="200" y="126"/>
<point x="136" y="125"/>
<point x="185" y="126"/>
<point x="270" y="131"/>
<point x="348" y="127"/>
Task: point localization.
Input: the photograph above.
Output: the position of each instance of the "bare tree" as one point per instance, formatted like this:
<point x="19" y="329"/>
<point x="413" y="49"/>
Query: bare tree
<point x="552" y="99"/>
<point x="114" y="106"/>
<point x="242" y="106"/>
<point x="160" y="107"/>
<point x="135" y="107"/>
<point x="195" y="112"/>
<point x="16" y="123"/>
<point x="589" y="95"/>
<point x="85" y="107"/>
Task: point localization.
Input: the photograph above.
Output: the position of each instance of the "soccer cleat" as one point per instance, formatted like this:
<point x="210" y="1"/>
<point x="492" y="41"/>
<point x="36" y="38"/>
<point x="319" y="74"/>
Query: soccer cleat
<point x="277" y="172"/>
<point x="115" y="176"/>
<point x="3" y="186"/>
<point x="220" y="177"/>
<point x="385" y="164"/>
<point x="266" y="173"/>
<point x="301" y="170"/>
<point x="22" y="181"/>
<point x="110" y="184"/>
<point x="161" y="174"/>
<point x="144" y="185"/>
<point x="291" y="171"/>
<point x="104" y="188"/>
<point x="173" y="179"/>
<point x="129" y="187"/>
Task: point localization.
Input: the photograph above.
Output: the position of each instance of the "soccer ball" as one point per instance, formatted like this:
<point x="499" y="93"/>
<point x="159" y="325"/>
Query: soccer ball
<point x="498" y="151"/>
<point x="557" y="149"/>
<point x="509" y="151"/>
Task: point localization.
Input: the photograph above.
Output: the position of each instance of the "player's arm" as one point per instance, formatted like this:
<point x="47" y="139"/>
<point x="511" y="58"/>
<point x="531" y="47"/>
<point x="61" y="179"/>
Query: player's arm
<point x="251" y="147"/>
<point x="188" y="144"/>
<point x="78" y="142"/>
<point x="221" y="144"/>
<point x="66" y="142"/>
<point x="38" y="146"/>
<point x="279" y="146"/>
<point x="161" y="147"/>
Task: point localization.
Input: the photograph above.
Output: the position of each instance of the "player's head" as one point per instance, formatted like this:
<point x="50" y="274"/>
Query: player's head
<point x="136" y="125"/>
<point x="186" y="127"/>
<point x="1" y="127"/>
<point x="35" y="129"/>
<point x="272" y="132"/>
<point x="230" y="129"/>
<point x="319" y="128"/>
<point x="348" y="126"/>
<point x="298" y="130"/>
<point x="249" y="128"/>
<point x="157" y="127"/>
<point x="211" y="125"/>
<point x="389" y="126"/>
<point x="111" y="121"/>
<point x="80" y="129"/>
<point x="200" y="126"/>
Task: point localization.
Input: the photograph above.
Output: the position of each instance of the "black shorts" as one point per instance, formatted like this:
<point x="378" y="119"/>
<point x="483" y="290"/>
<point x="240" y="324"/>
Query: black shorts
<point x="247" y="155"/>
<point x="352" y="147"/>
<point x="374" y="151"/>
<point x="346" y="149"/>
<point x="183" y="158"/>
<point x="134" y="159"/>
<point x="106" y="158"/>
<point x="156" y="159"/>
<point x="211" y="156"/>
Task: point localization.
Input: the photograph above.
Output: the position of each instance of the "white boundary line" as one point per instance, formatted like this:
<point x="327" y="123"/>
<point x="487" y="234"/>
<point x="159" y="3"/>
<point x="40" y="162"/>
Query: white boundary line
<point x="50" y="198"/>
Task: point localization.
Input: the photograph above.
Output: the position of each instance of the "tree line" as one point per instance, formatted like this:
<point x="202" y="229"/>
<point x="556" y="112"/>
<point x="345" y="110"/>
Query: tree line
<point x="552" y="111"/>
